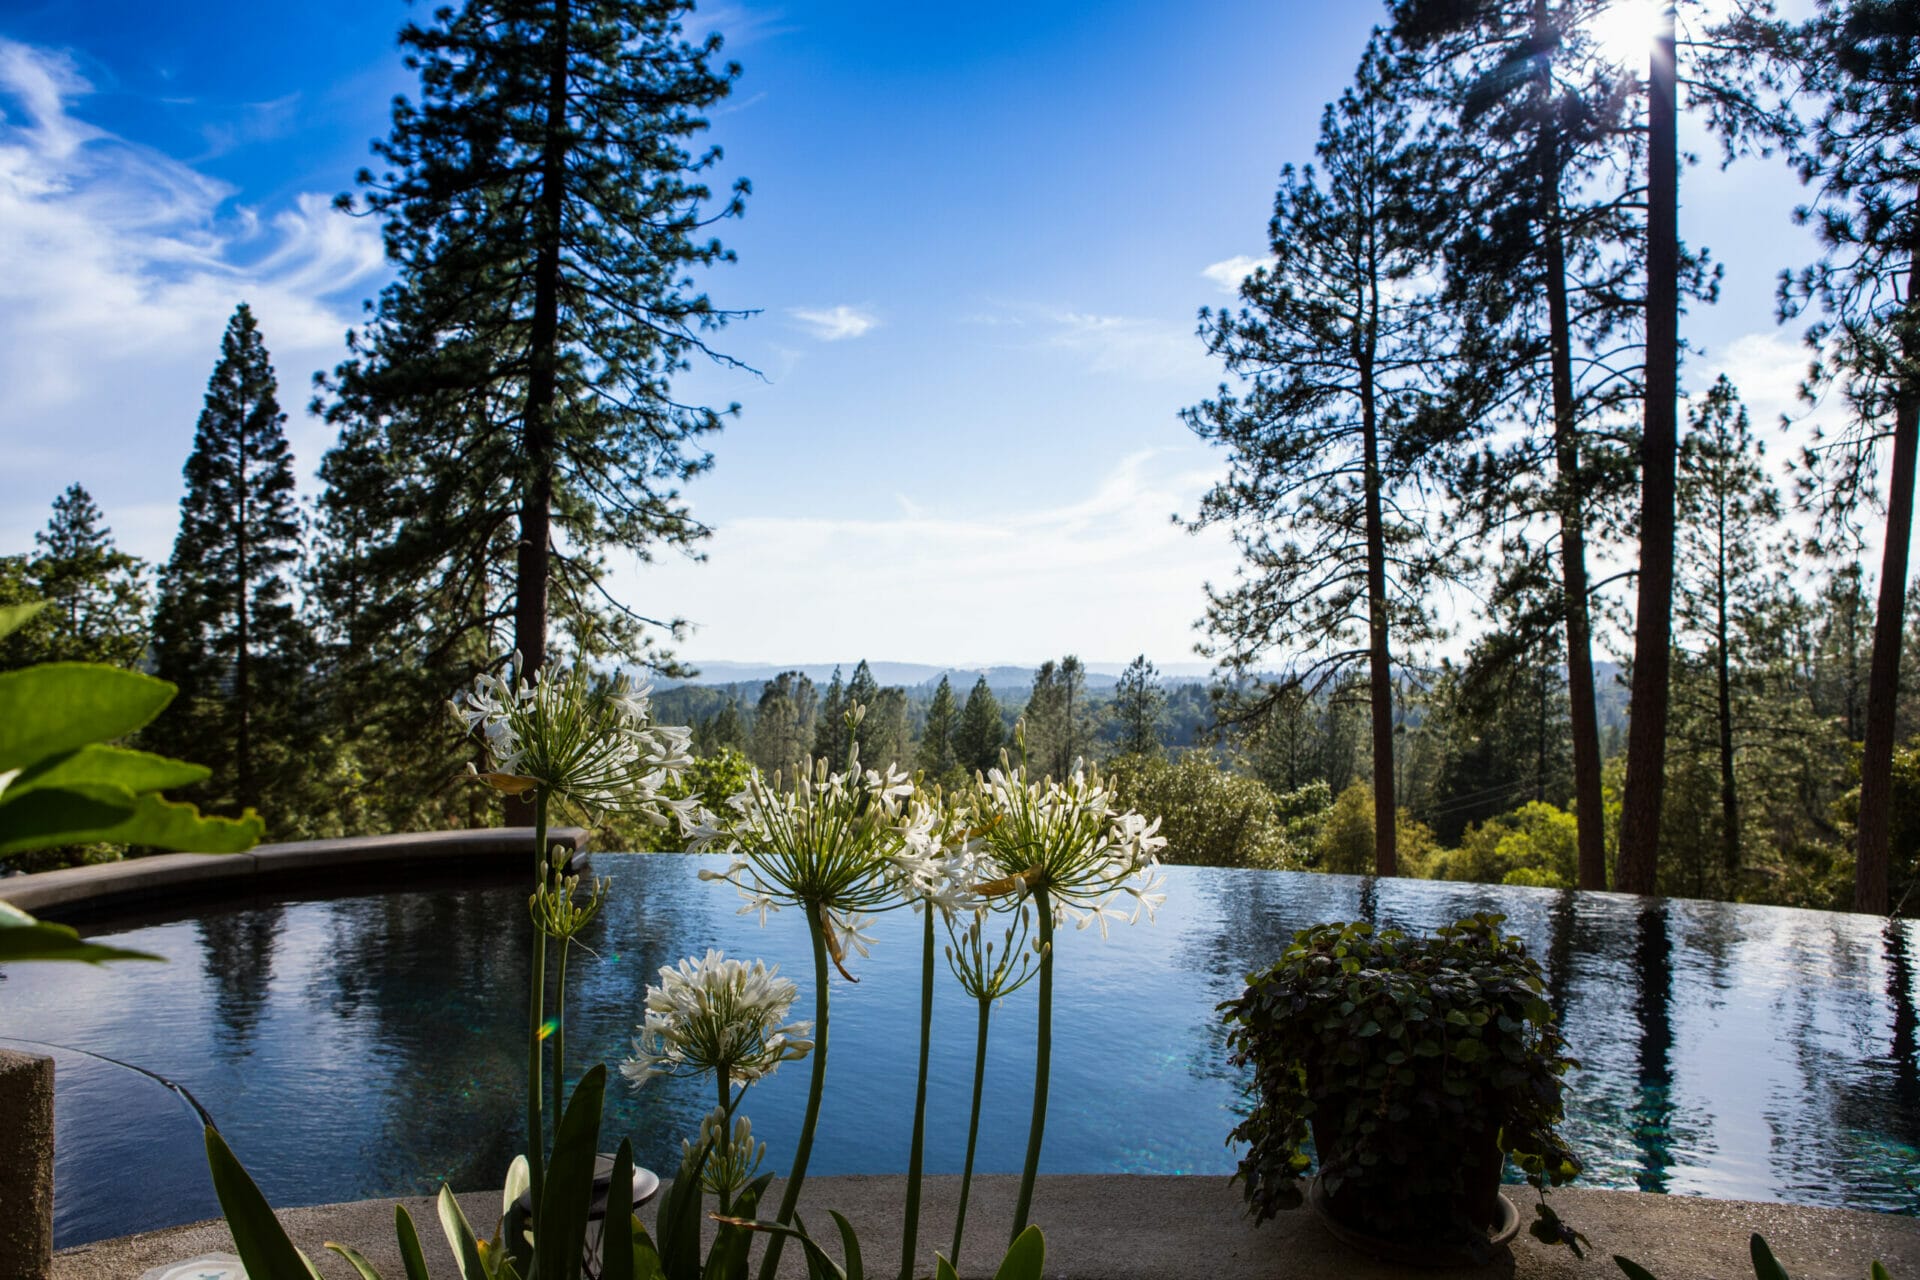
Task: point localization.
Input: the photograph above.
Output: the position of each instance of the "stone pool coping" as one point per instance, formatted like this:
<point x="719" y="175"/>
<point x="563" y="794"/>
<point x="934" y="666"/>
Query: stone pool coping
<point x="1123" y="1227"/>
<point x="341" y="866"/>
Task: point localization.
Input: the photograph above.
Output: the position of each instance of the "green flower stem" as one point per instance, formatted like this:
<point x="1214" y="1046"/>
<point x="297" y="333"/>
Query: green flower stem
<point x="560" y="1033"/>
<point x="910" y="1242"/>
<point x="726" y="1131"/>
<point x="1043" y="1052"/>
<point x="973" y="1129"/>
<point x="536" y="1011"/>
<point x="816" y="1085"/>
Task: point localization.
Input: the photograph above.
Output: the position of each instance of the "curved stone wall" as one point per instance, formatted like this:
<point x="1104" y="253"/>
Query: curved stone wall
<point x="138" y="883"/>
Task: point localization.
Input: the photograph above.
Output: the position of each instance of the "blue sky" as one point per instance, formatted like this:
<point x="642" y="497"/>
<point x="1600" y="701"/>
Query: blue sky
<point x="978" y="238"/>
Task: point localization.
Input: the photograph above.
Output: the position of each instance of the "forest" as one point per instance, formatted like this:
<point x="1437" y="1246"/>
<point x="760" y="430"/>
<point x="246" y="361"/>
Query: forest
<point x="1459" y="369"/>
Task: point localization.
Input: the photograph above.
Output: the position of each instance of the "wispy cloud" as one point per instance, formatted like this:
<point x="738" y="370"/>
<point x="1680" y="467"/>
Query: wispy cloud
<point x="1136" y="347"/>
<point x="836" y="323"/>
<point x="1103" y="573"/>
<point x="119" y="267"/>
<point x="1228" y="273"/>
<point x="1130" y="345"/>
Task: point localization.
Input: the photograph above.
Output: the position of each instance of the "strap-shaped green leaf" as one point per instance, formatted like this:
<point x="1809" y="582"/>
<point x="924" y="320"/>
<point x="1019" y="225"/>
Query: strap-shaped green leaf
<point x="1026" y="1258"/>
<point x="1764" y="1265"/>
<point x="460" y="1238"/>
<point x="616" y="1231"/>
<point x="849" y="1248"/>
<point x="677" y="1228"/>
<point x="560" y="1230"/>
<point x="259" y="1239"/>
<point x="100" y="765"/>
<point x="410" y="1256"/>
<point x="60" y="706"/>
<point x="942" y="1269"/>
<point x="24" y="938"/>
<point x="355" y="1260"/>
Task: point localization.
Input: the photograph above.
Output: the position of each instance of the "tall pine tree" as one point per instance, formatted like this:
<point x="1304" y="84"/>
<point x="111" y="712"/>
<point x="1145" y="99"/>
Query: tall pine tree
<point x="96" y="592"/>
<point x="980" y="735"/>
<point x="226" y="630"/>
<point x="508" y="414"/>
<point x="1326" y="439"/>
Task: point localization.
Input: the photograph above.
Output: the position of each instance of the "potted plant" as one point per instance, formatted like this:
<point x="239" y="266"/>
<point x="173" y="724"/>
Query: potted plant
<point x="1416" y="1064"/>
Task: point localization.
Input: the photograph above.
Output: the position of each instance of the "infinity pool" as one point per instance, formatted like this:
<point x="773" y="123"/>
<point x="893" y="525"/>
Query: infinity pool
<point x="372" y="1045"/>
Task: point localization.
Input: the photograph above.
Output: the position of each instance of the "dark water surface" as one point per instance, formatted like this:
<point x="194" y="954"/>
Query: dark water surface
<point x="374" y="1045"/>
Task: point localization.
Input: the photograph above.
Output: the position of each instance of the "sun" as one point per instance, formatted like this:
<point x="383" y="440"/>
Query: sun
<point x="1625" y="29"/>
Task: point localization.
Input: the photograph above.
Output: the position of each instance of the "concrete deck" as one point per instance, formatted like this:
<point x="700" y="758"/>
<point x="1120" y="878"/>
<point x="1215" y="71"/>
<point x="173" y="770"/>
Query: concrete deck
<point x="96" y="893"/>
<point x="1141" y="1228"/>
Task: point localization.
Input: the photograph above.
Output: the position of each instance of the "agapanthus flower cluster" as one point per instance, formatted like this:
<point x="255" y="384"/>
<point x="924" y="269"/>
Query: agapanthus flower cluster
<point x="720" y="1016"/>
<point x="732" y="1158"/>
<point x="833" y="844"/>
<point x="1073" y="840"/>
<point x="559" y="731"/>
<point x="987" y="970"/>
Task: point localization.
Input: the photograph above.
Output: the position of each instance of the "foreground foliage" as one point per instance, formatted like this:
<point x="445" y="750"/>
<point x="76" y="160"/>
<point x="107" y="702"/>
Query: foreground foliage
<point x="1415" y="1065"/>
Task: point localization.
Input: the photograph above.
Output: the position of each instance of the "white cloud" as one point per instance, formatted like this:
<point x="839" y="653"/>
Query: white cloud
<point x="833" y="325"/>
<point x="119" y="267"/>
<point x="1132" y="346"/>
<point x="1228" y="273"/>
<point x="1104" y="573"/>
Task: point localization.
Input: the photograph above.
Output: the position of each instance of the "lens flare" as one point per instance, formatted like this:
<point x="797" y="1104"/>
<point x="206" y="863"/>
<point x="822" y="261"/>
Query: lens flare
<point x="548" y="1027"/>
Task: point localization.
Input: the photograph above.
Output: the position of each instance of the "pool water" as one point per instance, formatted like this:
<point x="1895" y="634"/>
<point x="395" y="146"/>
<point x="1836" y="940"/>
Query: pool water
<point x="374" y="1045"/>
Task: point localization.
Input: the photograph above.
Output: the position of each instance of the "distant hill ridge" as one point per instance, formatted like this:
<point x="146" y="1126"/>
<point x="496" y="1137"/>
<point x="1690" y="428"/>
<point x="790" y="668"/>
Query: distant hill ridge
<point x="1100" y="675"/>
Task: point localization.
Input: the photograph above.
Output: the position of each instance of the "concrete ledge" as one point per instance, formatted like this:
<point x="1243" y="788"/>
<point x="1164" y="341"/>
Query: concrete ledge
<point x="1140" y="1228"/>
<point x="138" y="883"/>
<point x="26" y="1165"/>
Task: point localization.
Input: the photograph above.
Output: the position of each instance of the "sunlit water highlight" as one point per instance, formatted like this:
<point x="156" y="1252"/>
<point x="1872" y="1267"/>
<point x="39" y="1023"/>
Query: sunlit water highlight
<point x="372" y="1045"/>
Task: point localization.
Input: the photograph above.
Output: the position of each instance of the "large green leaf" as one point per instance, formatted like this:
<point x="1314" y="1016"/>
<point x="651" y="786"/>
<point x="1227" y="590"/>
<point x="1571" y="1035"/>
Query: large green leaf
<point x="101" y="765"/>
<point x="1026" y="1258"/>
<point x="60" y="706"/>
<point x="942" y="1269"/>
<point x="849" y="1247"/>
<point x="175" y="824"/>
<point x="61" y="815"/>
<point x="15" y="616"/>
<point x="24" y="938"/>
<point x="560" y="1225"/>
<point x="89" y="814"/>
<point x="258" y="1237"/>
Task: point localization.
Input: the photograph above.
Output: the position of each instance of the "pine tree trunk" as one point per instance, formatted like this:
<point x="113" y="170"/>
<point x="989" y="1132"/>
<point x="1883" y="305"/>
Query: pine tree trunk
<point x="1653" y="622"/>
<point x="1729" y="794"/>
<point x="1584" y="720"/>
<point x="1379" y="657"/>
<point x="536" y="511"/>
<point x="1874" y="838"/>
<point x="242" y="673"/>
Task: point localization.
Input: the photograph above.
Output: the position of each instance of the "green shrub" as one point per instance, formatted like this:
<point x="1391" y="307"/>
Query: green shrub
<point x="1411" y="1062"/>
<point x="1210" y="817"/>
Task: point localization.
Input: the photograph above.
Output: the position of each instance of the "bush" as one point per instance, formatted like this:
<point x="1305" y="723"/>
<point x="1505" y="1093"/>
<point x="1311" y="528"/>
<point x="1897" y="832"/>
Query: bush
<point x="1411" y="1062"/>
<point x="1345" y="842"/>
<point x="1210" y="817"/>
<point x="1536" y="844"/>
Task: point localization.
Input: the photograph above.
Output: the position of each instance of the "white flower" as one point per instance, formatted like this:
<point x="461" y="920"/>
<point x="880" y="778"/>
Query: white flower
<point x="717" y="1015"/>
<point x="831" y="843"/>
<point x="558" y="731"/>
<point x="1072" y="841"/>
